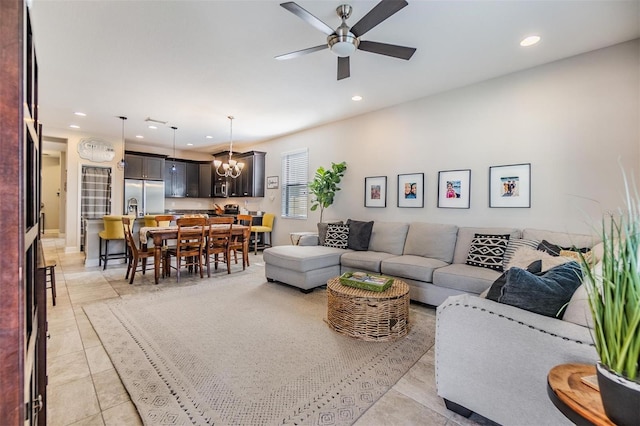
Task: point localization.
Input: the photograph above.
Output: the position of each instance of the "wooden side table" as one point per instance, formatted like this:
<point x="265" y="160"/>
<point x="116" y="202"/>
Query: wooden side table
<point x="368" y="315"/>
<point x="579" y="402"/>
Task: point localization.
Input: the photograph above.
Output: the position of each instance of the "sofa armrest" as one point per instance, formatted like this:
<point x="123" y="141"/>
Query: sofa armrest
<point x="494" y="359"/>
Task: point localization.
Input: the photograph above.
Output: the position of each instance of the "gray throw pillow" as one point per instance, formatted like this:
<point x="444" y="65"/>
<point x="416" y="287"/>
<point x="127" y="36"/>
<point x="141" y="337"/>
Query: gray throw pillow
<point x="359" y="234"/>
<point x="545" y="293"/>
<point x="322" y="231"/>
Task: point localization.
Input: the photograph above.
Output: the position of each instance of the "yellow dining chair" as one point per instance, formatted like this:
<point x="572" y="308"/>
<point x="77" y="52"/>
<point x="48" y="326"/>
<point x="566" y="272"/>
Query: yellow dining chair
<point x="265" y="228"/>
<point x="113" y="231"/>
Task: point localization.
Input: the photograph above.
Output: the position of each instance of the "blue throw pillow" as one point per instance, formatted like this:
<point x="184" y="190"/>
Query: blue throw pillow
<point x="546" y="293"/>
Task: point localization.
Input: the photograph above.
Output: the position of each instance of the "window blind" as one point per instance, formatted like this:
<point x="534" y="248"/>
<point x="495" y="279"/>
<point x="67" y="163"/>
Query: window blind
<point x="295" y="170"/>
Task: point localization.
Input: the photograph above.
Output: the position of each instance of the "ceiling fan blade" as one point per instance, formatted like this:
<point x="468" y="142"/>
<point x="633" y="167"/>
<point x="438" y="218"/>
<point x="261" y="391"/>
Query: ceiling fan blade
<point x="400" y="52"/>
<point x="302" y="52"/>
<point x="343" y="67"/>
<point x="379" y="13"/>
<point x="307" y="17"/>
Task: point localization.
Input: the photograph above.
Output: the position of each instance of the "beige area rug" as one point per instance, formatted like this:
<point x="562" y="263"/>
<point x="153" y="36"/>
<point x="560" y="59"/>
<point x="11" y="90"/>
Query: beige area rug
<point x="244" y="352"/>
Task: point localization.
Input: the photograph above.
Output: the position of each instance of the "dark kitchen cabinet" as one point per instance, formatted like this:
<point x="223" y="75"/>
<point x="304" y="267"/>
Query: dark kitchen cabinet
<point x="192" y="179"/>
<point x="175" y="181"/>
<point x="140" y="166"/>
<point x="250" y="183"/>
<point x="206" y="185"/>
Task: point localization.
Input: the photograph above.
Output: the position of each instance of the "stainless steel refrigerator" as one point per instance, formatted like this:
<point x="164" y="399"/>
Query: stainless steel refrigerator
<point x="143" y="197"/>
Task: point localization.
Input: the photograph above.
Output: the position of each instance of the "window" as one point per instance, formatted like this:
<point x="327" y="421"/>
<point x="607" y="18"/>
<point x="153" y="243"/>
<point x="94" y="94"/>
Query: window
<point x="295" y="166"/>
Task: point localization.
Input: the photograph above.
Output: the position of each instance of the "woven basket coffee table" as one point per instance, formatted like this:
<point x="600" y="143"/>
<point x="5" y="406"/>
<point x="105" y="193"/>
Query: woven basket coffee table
<point x="368" y="315"/>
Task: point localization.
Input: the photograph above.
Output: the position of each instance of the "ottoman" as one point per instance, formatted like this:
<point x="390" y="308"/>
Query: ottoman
<point x="305" y="267"/>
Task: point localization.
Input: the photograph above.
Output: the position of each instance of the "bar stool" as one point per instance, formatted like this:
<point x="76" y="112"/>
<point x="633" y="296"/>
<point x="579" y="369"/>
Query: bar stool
<point x="265" y="228"/>
<point x="50" y="277"/>
<point x="113" y="231"/>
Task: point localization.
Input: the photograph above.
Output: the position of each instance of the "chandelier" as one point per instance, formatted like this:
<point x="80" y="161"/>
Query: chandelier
<point x="232" y="168"/>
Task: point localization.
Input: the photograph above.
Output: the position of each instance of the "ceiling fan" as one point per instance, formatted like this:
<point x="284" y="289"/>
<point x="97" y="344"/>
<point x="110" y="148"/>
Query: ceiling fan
<point x="344" y="40"/>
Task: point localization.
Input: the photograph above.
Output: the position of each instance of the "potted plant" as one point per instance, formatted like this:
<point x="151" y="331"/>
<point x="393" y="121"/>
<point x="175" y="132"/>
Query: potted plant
<point x="614" y="299"/>
<point x="324" y="186"/>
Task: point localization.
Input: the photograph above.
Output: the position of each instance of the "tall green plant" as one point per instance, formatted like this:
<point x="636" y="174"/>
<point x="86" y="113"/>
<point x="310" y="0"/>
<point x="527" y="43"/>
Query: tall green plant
<point x="324" y="186"/>
<point x="614" y="294"/>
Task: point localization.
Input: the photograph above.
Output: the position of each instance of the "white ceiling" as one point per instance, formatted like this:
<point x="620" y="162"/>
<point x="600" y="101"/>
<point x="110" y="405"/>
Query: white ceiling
<point x="193" y="63"/>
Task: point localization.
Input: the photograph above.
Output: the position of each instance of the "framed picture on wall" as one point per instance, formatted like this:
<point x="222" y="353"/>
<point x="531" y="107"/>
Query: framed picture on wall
<point x="375" y="191"/>
<point x="454" y="189"/>
<point x="272" y="182"/>
<point x="510" y="186"/>
<point x="411" y="190"/>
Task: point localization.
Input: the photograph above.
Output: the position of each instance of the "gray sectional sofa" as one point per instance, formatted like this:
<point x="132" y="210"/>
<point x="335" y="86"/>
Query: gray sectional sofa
<point x="430" y="257"/>
<point x="491" y="358"/>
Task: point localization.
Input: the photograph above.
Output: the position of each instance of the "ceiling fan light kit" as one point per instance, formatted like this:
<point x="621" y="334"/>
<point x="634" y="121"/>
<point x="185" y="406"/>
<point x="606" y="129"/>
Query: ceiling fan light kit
<point x="345" y="40"/>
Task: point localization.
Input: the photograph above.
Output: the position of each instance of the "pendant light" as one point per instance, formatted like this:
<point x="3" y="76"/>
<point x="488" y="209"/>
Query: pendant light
<point x="122" y="163"/>
<point x="173" y="167"/>
<point x="232" y="168"/>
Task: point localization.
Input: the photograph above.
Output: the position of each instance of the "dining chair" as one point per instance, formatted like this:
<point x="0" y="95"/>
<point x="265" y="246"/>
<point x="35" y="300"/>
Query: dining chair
<point x="241" y="242"/>
<point x="135" y="253"/>
<point x="265" y="228"/>
<point x="163" y="219"/>
<point x="218" y="242"/>
<point x="189" y="246"/>
<point x="50" y="277"/>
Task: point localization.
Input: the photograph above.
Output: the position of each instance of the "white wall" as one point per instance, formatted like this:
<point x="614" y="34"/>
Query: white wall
<point x="573" y="120"/>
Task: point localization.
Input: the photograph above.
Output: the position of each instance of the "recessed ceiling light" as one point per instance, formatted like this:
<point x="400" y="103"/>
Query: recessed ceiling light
<point x="356" y="98"/>
<point x="530" y="41"/>
<point x="74" y="126"/>
<point x="189" y="144"/>
<point x="139" y="136"/>
<point x="152" y="127"/>
<point x="80" y="114"/>
<point x="209" y="137"/>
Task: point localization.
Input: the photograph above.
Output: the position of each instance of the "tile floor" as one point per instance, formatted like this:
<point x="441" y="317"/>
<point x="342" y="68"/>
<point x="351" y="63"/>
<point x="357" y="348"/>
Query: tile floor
<point x="84" y="388"/>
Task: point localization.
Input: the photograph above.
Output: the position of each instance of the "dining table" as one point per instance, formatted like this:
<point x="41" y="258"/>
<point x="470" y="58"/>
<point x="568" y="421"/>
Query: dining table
<point x="160" y="234"/>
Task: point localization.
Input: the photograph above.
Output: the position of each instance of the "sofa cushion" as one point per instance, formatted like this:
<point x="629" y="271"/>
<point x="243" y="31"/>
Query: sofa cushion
<point x="466" y="234"/>
<point x="487" y="251"/>
<point x="359" y="234"/>
<point x="388" y="237"/>
<point x="462" y="277"/>
<point x="413" y="267"/>
<point x="302" y="258"/>
<point x="337" y="236"/>
<point x="364" y="260"/>
<point x="545" y="293"/>
<point x="322" y="231"/>
<point x="432" y="240"/>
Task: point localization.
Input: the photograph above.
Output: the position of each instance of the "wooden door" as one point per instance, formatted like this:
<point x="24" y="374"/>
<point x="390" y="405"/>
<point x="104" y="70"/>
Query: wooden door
<point x="23" y="301"/>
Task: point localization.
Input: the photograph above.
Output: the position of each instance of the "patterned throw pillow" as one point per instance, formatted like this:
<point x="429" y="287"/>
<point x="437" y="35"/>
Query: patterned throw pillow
<point x="515" y="245"/>
<point x="487" y="251"/>
<point x="337" y="236"/>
